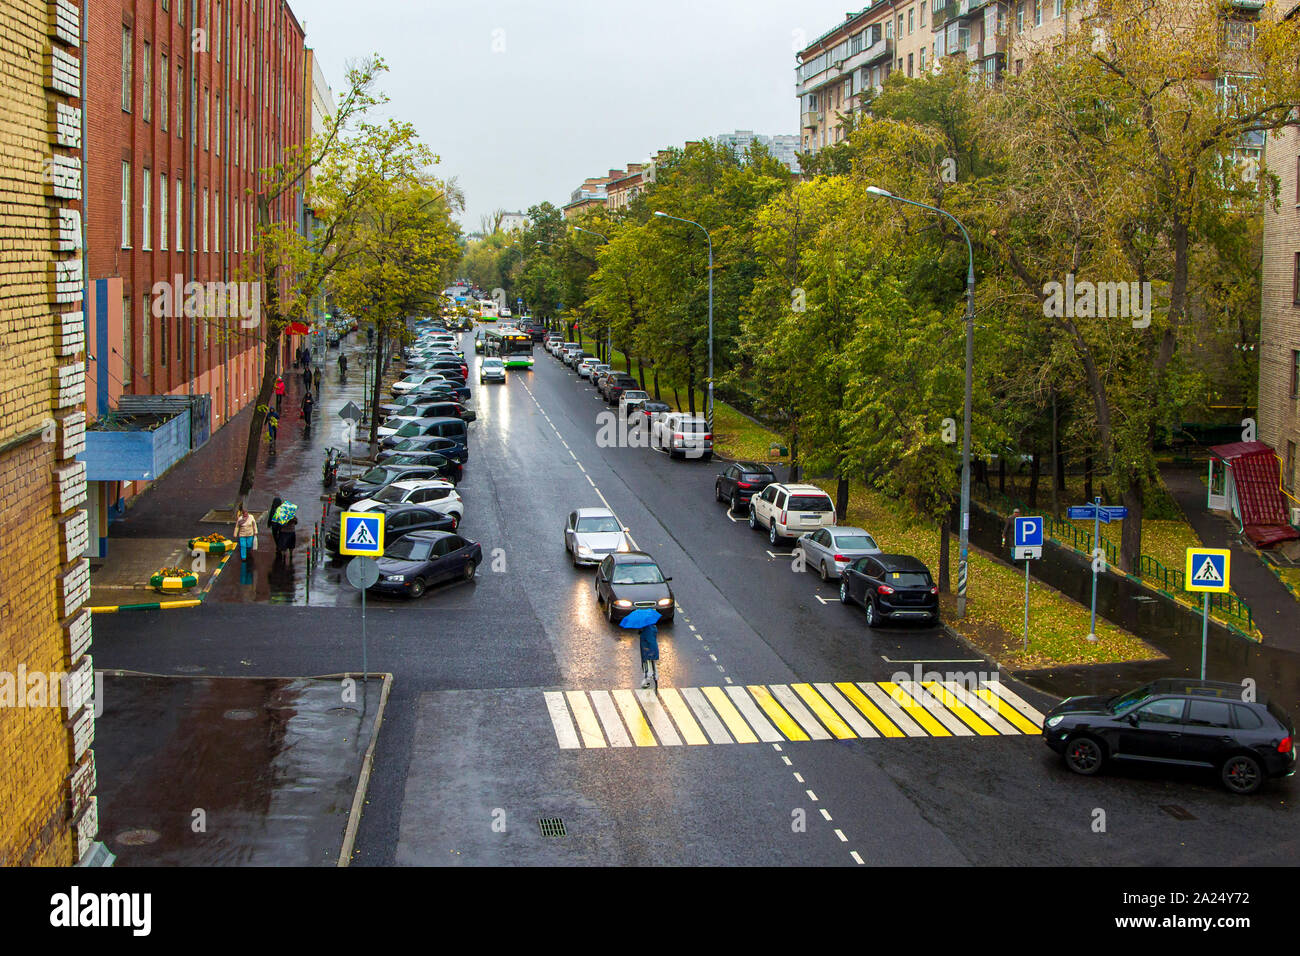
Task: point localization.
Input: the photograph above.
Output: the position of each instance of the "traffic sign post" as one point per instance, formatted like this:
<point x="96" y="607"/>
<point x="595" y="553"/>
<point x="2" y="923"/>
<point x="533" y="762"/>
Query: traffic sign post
<point x="350" y="413"/>
<point x="1098" y="514"/>
<point x="361" y="574"/>
<point x="1027" y="541"/>
<point x="1207" y="572"/>
<point x="362" y="533"/>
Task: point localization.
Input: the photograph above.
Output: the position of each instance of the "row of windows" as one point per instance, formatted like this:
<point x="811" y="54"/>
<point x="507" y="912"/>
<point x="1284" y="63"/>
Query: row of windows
<point x="210" y="210"/>
<point x="166" y="336"/>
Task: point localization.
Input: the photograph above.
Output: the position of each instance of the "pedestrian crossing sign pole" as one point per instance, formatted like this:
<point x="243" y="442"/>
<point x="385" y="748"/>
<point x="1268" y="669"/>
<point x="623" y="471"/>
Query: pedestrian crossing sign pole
<point x="362" y="534"/>
<point x="1206" y="572"/>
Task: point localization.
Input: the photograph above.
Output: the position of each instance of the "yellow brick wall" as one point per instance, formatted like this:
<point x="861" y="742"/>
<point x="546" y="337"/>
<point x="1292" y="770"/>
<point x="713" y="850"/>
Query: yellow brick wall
<point x="34" y="743"/>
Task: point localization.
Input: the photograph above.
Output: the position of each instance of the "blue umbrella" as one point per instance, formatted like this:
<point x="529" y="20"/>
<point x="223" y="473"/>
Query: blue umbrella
<point x="639" y="618"/>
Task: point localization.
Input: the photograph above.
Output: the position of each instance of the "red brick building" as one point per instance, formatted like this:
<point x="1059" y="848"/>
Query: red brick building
<point x="185" y="101"/>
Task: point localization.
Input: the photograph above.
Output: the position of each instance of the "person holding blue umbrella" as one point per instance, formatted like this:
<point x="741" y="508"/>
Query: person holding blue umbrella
<point x="643" y="620"/>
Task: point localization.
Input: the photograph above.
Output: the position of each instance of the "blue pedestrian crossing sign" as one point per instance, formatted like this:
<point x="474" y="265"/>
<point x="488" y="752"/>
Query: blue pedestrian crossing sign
<point x="1027" y="538"/>
<point x="1207" y="569"/>
<point x="362" y="534"/>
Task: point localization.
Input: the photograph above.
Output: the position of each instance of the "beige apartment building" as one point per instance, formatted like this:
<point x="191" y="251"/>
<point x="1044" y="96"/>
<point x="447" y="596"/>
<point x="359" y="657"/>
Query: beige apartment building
<point x="1279" y="331"/>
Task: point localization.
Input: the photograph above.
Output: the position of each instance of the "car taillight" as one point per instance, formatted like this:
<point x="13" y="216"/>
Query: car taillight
<point x="783" y="514"/>
<point x="885" y="589"/>
<point x="744" y="484"/>
<point x="708" y="435"/>
<point x="840" y="557"/>
<point x="1285" y="746"/>
<point x="678" y="435"/>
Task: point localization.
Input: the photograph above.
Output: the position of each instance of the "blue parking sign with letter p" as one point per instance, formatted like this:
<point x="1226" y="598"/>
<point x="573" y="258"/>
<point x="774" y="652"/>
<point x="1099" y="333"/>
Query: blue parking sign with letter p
<point x="1029" y="532"/>
<point x="362" y="533"/>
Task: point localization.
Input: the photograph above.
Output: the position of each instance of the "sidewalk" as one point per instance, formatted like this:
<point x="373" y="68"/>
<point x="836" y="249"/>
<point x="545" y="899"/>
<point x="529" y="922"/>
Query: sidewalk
<point x="197" y="496"/>
<point x="1271" y="604"/>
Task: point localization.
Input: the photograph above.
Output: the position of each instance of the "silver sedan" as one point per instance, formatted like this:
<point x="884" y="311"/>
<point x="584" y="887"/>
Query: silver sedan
<point x="592" y="533"/>
<point x="828" y="551"/>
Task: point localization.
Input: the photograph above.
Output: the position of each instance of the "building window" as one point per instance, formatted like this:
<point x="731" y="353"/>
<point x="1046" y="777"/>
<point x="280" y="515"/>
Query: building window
<point x="1038" y="13"/>
<point x="126" y="341"/>
<point x="920" y="60"/>
<point x="216" y="33"/>
<point x="1020" y="65"/>
<point x="218" y="124"/>
<point x="216" y="221"/>
<point x="126" y="205"/>
<point x="164" y="326"/>
<point x="180" y="215"/>
<point x="923" y="5"/>
<point x="180" y="100"/>
<point x="1295" y="281"/>
<point x="163" y="210"/>
<point x="1020" y="19"/>
<point x="146" y="83"/>
<point x="899" y="31"/>
<point x="911" y="20"/>
<point x="128" y="54"/>
<point x="909" y="64"/>
<point x="1288" y="476"/>
<point x="205" y="218"/>
<point x="1060" y="8"/>
<point x="1295" y="373"/>
<point x="146" y="209"/>
<point x="207" y="118"/>
<point x="146" y="339"/>
<point x="164" y="103"/>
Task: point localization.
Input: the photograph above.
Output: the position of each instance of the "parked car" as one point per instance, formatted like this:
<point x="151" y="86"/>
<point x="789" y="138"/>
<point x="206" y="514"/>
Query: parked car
<point x="399" y="520"/>
<point x="1180" y="722"/>
<point x="413" y="562"/>
<point x="787" y="510"/>
<point x="629" y="580"/>
<point x="585" y="365"/>
<point x="447" y="468"/>
<point x="617" y="384"/>
<point x="740" y="481"/>
<point x="828" y="551"/>
<point x="438" y="392"/>
<point x="452" y="369"/>
<point x="890" y="587"/>
<point x="447" y="447"/>
<point x="491" y="370"/>
<point x="651" y="411"/>
<point x="373" y="480"/>
<point x="682" y="436"/>
<point x="434" y="492"/>
<point x="592" y="533"/>
<point x="597" y="370"/>
<point x="631" y="400"/>
<point x="454" y="428"/>
<point x="560" y="347"/>
<point x="431" y="410"/>
<point x="416" y="380"/>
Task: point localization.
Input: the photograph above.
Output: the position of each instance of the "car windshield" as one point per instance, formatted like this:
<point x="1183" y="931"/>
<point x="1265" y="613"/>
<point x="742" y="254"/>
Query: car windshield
<point x="633" y="395"/>
<point x="908" y="579"/>
<point x="391" y="494"/>
<point x="599" y="525"/>
<point x="490" y="362"/>
<point x="810" y="503"/>
<point x="1124" y="702"/>
<point x="637" y="574"/>
<point x="855" y="542"/>
<point x="404" y="549"/>
<point x="376" y="476"/>
<point x="409" y="430"/>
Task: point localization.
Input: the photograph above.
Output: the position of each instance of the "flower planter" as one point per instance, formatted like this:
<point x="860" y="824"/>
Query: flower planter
<point x="172" y="584"/>
<point x="213" y="547"/>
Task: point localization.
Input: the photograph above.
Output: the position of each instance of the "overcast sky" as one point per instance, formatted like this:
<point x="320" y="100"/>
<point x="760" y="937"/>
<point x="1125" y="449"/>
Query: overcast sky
<point x="523" y="100"/>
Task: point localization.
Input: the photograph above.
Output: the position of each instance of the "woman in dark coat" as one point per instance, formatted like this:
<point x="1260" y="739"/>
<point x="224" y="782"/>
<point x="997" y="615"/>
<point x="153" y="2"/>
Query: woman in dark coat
<point x="307" y="405"/>
<point x="274" y="525"/>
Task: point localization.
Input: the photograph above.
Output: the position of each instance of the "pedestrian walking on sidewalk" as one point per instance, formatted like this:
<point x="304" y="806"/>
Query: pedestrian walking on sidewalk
<point x="307" y="406"/>
<point x="245" y="531"/>
<point x="1009" y="529"/>
<point x="275" y="526"/>
<point x="279" y="392"/>
<point x="272" y="424"/>
<point x="315" y="375"/>
<point x="306" y="378"/>
<point x="343" y="365"/>
<point x="649" y="655"/>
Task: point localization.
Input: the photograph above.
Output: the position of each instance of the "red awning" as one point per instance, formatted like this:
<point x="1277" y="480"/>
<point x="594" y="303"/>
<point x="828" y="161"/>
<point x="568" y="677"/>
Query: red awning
<point x="1256" y="474"/>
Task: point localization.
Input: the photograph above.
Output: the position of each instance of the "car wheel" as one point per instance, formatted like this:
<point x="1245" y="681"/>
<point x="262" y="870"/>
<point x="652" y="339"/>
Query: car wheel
<point x="455" y="521"/>
<point x="753" y="518"/>
<point x="418" y="588"/>
<point x="870" y="605"/>
<point x="1241" y="774"/>
<point x="717" y="492"/>
<point x="772" y="536"/>
<point x="707" y="456"/>
<point x="735" y="504"/>
<point x="1084" y="755"/>
<point x="609" y="611"/>
<point x="470" y="567"/>
<point x="822" y="572"/>
<point x="844" y="591"/>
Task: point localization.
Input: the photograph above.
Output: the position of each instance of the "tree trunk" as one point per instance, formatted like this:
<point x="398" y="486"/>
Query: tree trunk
<point x="945" y="540"/>
<point x="270" y="349"/>
<point x="690" y="388"/>
<point x="677" y="399"/>
<point x="1130" y="547"/>
<point x="656" y="384"/>
<point x="1002" y="474"/>
<point x="1087" y="478"/>
<point x="794" y="454"/>
<point x="1034" y="463"/>
<point x="841" y="500"/>
<point x="640" y="370"/>
<point x="375" y="388"/>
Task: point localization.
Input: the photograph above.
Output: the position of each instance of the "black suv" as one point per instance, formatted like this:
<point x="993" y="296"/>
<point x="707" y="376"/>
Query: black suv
<point x="399" y="521"/>
<point x="616" y="384"/>
<point x="368" y="484"/>
<point x="891" y="587"/>
<point x="740" y="481"/>
<point x="1190" y="723"/>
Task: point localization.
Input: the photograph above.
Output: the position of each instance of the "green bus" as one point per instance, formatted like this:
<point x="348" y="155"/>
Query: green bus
<point x="515" y="348"/>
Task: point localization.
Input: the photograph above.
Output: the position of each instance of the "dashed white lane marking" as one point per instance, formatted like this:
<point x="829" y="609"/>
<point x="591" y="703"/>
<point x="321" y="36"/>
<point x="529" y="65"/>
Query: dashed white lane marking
<point x="840" y="833"/>
<point x="826" y="816"/>
<point x="811" y="796"/>
<point x="798" y="778"/>
<point x="856" y="858"/>
<point x="786" y="759"/>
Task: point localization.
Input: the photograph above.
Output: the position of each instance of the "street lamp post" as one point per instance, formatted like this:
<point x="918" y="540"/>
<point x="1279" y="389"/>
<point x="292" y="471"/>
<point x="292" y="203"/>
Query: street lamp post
<point x="964" y="541"/>
<point x="609" y="326"/>
<point x="710" y="241"/>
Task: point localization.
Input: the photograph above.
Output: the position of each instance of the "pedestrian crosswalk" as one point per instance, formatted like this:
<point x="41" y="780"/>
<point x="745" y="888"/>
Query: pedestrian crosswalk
<point x="775" y="713"/>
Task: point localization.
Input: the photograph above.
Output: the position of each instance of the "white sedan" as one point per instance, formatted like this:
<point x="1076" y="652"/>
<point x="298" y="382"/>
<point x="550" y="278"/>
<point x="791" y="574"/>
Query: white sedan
<point x="433" y="493"/>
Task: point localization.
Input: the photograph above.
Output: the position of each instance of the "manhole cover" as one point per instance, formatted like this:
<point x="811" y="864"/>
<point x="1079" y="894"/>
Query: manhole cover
<point x="1177" y="812"/>
<point x="239" y="714"/>
<point x="138" y="837"/>
<point x="552" y="827"/>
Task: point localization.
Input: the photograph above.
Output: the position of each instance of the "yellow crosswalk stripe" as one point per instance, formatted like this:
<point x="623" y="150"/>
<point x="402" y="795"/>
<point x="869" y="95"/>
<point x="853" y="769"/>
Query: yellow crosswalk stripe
<point x="784" y="722"/>
<point x="824" y="712"/>
<point x="588" y="725"/>
<point x="681" y="714"/>
<point x="1019" y="703"/>
<point x="730" y="716"/>
<point x="659" y="719"/>
<point x="869" y="710"/>
<point x="986" y="713"/>
<point x="950" y="700"/>
<point x="1007" y="711"/>
<point x="914" y="710"/>
<point x="636" y="722"/>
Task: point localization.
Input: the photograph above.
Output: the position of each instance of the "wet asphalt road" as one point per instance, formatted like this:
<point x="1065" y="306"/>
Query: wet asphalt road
<point x="468" y="759"/>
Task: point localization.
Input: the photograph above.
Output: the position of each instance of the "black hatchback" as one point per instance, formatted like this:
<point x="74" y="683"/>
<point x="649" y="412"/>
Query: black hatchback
<point x="1178" y="722"/>
<point x="891" y="587"/>
<point x="399" y="521"/>
<point x="371" y="481"/>
<point x="740" y="481"/>
<point x="448" y="469"/>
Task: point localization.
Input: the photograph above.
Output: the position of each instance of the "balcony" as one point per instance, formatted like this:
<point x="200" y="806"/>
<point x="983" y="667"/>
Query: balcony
<point x="812" y="119"/>
<point x="957" y="10"/>
<point x="882" y="49"/>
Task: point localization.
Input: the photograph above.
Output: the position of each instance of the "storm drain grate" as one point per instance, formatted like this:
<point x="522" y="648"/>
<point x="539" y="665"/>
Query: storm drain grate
<point x="1177" y="812"/>
<point x="552" y="827"/>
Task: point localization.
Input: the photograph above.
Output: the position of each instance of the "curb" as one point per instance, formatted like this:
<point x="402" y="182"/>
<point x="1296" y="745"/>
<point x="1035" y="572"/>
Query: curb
<point x="363" y="781"/>
<point x="166" y="605"/>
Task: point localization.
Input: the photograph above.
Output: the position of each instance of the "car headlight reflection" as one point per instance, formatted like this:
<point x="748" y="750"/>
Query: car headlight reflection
<point x="666" y="602"/>
<point x="621" y="602"/>
<point x="1053" y="721"/>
